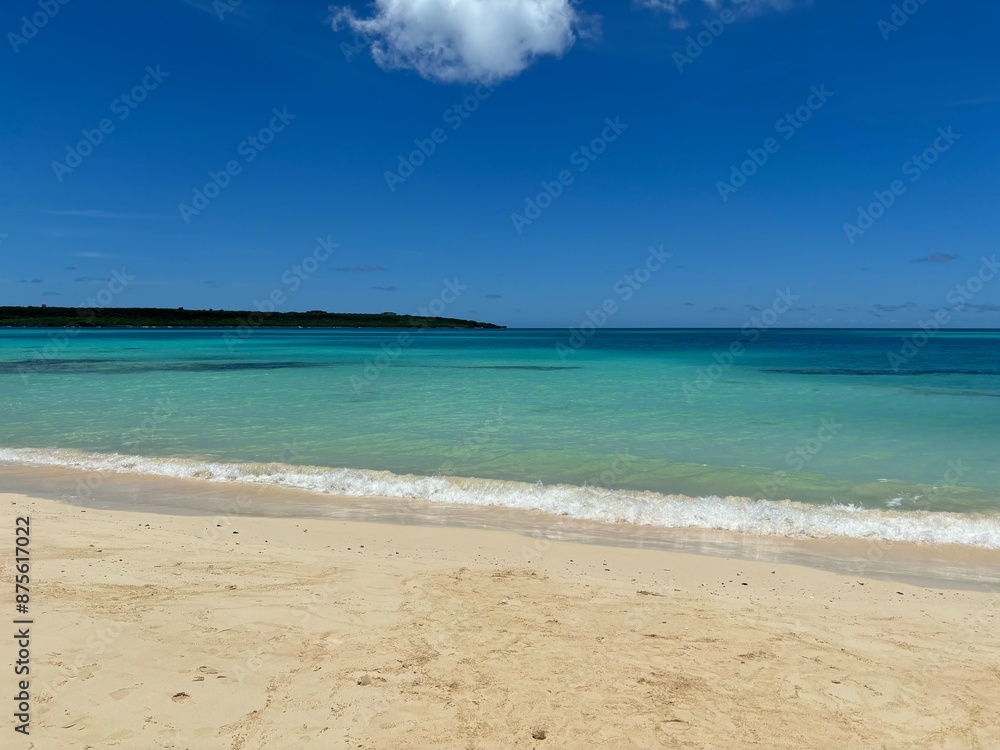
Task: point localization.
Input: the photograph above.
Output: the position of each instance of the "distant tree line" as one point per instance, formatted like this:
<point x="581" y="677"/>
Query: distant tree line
<point x="142" y="317"/>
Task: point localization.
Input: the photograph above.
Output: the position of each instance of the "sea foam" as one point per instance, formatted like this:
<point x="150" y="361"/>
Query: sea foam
<point x="739" y="514"/>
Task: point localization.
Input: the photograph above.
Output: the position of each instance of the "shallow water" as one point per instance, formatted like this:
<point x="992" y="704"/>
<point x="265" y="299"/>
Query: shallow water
<point x="822" y="418"/>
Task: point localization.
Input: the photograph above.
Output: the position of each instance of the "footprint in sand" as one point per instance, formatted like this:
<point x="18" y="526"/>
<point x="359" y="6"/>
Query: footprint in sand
<point x="119" y="694"/>
<point x="180" y="697"/>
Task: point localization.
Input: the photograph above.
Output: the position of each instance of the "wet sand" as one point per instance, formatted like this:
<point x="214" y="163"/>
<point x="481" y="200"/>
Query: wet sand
<point x="258" y="626"/>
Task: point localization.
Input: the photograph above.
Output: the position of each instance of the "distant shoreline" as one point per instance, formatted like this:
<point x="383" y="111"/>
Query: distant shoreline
<point x="480" y="327"/>
<point x="154" y="317"/>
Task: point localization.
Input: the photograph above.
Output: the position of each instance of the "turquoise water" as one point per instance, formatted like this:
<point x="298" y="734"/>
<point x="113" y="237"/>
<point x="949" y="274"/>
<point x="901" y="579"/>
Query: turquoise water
<point x="821" y="418"/>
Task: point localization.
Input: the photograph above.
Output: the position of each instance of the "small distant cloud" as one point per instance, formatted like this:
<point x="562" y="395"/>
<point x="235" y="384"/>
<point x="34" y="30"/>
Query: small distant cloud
<point x="494" y="296"/>
<point x="719" y="309"/>
<point x="32" y="281"/>
<point x="50" y="294"/>
<point x="980" y="308"/>
<point x="894" y="308"/>
<point x="359" y="269"/>
<point x="384" y="288"/>
<point x="665" y="6"/>
<point x="95" y="214"/>
<point x="689" y="304"/>
<point x="88" y="254"/>
<point x="71" y="268"/>
<point x="979" y="100"/>
<point x="936" y="258"/>
<point x="738" y="7"/>
<point x="754" y="308"/>
<point x="88" y="279"/>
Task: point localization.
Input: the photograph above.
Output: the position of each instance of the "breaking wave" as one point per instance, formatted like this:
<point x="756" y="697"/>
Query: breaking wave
<point x="738" y="514"/>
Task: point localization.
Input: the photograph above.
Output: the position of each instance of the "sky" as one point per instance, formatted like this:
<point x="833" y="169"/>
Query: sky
<point x="663" y="163"/>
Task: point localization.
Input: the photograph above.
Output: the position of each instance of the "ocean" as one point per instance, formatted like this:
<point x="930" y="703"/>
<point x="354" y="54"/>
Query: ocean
<point x="803" y="433"/>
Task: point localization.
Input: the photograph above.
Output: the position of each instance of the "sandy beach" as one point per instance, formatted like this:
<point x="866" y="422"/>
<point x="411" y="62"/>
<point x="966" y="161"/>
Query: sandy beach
<point x="184" y="632"/>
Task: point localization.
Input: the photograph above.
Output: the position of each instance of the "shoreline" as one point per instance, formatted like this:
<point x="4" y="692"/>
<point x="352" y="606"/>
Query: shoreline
<point x="187" y="631"/>
<point x="943" y="566"/>
<point x="295" y="326"/>
<point x="635" y="508"/>
<point x="498" y="327"/>
<point x="179" y="317"/>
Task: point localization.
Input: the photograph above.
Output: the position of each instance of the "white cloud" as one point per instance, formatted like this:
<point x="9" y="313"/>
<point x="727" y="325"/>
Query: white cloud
<point x="466" y="41"/>
<point x="740" y="7"/>
<point x="671" y="7"/>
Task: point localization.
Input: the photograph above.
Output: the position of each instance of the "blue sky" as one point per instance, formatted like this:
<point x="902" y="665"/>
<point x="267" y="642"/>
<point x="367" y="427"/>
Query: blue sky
<point x="507" y="97"/>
